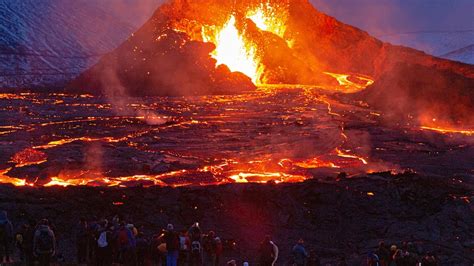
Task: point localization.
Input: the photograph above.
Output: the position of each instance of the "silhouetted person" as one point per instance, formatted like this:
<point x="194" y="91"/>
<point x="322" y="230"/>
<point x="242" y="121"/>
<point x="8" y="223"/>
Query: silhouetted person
<point x="6" y="237"/>
<point x="373" y="259"/>
<point x="82" y="241"/>
<point x="126" y="244"/>
<point x="429" y="260"/>
<point x="195" y="235"/>
<point x="28" y="240"/>
<point x="209" y="249"/>
<point x="104" y="247"/>
<point x="44" y="243"/>
<point x="268" y="252"/>
<point x="299" y="253"/>
<point x="142" y="249"/>
<point x="172" y="246"/>
<point x="383" y="253"/>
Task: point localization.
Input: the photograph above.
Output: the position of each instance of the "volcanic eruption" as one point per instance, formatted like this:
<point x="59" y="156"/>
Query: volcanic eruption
<point x="211" y="92"/>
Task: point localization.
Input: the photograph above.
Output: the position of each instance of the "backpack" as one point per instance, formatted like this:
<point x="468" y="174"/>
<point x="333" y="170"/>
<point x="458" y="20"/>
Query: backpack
<point x="218" y="245"/>
<point x="102" y="241"/>
<point x="45" y="241"/>
<point x="196" y="247"/>
<point x="123" y="238"/>
<point x="172" y="241"/>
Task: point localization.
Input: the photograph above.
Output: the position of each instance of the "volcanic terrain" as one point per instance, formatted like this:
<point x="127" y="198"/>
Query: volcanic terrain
<point x="351" y="140"/>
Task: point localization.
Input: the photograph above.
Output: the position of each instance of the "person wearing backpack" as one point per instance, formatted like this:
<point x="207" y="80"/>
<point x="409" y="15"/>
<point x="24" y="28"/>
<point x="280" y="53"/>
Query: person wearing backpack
<point x="196" y="253"/>
<point x="172" y="246"/>
<point x="209" y="249"/>
<point x="104" y="247"/>
<point x="44" y="243"/>
<point x="126" y="244"/>
<point x="195" y="234"/>
<point x="268" y="252"/>
<point x="6" y="237"/>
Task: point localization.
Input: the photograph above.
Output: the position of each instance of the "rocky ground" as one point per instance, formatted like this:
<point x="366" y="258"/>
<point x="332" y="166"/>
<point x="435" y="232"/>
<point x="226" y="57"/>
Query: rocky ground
<point x="336" y="217"/>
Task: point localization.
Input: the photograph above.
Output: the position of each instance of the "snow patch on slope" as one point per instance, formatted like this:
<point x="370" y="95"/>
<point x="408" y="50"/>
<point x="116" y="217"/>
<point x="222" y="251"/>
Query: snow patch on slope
<point x="48" y="42"/>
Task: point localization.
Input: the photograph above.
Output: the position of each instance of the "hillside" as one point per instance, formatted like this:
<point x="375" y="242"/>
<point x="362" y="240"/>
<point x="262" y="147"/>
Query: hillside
<point x="48" y="42"/>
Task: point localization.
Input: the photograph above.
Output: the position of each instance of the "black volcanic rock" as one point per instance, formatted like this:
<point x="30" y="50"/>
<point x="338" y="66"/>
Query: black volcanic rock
<point x="168" y="64"/>
<point x="334" y="217"/>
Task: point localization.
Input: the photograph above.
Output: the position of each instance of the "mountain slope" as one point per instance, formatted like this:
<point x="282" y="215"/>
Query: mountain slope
<point x="438" y="43"/>
<point x="48" y="42"/>
<point x="465" y="54"/>
<point x="312" y="44"/>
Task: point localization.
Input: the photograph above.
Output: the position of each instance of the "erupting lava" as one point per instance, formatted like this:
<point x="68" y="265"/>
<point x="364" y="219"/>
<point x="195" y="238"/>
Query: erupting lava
<point x="235" y="49"/>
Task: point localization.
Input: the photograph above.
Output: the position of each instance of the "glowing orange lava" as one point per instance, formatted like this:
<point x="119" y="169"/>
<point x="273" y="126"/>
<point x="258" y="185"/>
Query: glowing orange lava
<point x="467" y="132"/>
<point x="237" y="52"/>
<point x="360" y="83"/>
<point x="233" y="50"/>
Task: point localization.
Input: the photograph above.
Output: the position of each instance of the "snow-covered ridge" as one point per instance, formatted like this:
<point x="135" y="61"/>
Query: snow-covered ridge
<point x="453" y="45"/>
<point x="48" y="42"/>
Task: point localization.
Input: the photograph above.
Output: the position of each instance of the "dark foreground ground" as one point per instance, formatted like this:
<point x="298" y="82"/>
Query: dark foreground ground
<point x="344" y="217"/>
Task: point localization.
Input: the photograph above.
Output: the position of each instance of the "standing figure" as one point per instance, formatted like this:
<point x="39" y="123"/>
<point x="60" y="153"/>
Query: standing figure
<point x="268" y="252"/>
<point x="299" y="253"/>
<point x="44" y="243"/>
<point x="172" y="246"/>
<point x="6" y="237"/>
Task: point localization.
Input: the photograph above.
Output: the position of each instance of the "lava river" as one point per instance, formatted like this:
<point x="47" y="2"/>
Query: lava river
<point x="271" y="135"/>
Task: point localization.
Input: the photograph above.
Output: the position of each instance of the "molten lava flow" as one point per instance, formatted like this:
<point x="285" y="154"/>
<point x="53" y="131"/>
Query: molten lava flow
<point x="467" y="132"/>
<point x="10" y="180"/>
<point x="234" y="51"/>
<point x="360" y="82"/>
<point x="265" y="177"/>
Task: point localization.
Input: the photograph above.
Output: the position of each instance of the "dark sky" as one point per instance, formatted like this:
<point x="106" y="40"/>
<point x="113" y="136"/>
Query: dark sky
<point x="381" y="17"/>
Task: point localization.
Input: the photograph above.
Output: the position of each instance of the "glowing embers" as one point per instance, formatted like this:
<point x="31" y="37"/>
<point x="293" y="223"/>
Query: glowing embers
<point x="233" y="50"/>
<point x="269" y="18"/>
<point x="28" y="157"/>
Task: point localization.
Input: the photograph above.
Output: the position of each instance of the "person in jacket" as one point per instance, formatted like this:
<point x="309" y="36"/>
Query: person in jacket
<point x="172" y="246"/>
<point x="44" y="243"/>
<point x="195" y="235"/>
<point x="299" y="253"/>
<point x="6" y="237"/>
<point x="126" y="244"/>
<point x="383" y="253"/>
<point x="209" y="249"/>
